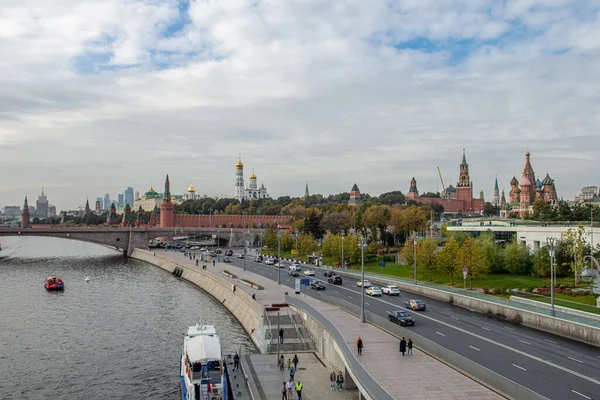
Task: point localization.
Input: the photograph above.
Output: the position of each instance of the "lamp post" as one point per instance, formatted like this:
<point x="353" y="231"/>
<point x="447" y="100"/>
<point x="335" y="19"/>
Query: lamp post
<point x="343" y="262"/>
<point x="279" y="258"/>
<point x="415" y="258"/>
<point x="296" y="234"/>
<point x="210" y="217"/>
<point x="551" y="242"/>
<point x="363" y="244"/>
<point x="244" y="253"/>
<point x="218" y="244"/>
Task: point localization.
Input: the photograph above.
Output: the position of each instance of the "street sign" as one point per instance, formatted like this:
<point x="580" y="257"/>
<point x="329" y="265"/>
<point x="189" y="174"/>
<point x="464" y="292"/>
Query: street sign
<point x="305" y="281"/>
<point x="465" y="269"/>
<point x="382" y="263"/>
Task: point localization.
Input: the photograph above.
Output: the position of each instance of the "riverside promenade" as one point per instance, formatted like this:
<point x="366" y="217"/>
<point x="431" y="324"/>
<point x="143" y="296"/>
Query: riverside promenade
<point x="416" y="377"/>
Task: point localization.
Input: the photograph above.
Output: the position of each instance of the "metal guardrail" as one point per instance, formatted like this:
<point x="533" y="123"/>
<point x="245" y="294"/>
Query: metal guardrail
<point x="374" y="390"/>
<point x="479" y="296"/>
<point x="296" y="328"/>
<point x="479" y="373"/>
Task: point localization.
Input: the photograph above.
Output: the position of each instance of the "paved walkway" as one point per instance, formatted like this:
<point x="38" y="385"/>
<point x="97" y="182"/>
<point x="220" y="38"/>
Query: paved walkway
<point x="313" y="372"/>
<point x="402" y="377"/>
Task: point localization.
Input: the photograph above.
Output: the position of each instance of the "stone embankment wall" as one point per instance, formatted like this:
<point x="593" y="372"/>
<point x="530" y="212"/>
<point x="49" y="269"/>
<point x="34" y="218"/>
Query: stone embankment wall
<point x="247" y="311"/>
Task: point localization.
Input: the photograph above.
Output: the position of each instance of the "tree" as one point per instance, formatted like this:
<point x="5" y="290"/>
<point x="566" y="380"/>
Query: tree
<point x="392" y="198"/>
<point x="541" y="262"/>
<point x="427" y="256"/>
<point x="447" y="258"/>
<point x="312" y="225"/>
<point x="306" y="244"/>
<point x="287" y="241"/>
<point x="407" y="251"/>
<point x="543" y="211"/>
<point x="471" y="257"/>
<point x="376" y="218"/>
<point x="493" y="253"/>
<point x="516" y="258"/>
<point x="335" y="221"/>
<point x="433" y="195"/>
<point x="490" y="209"/>
<point x="575" y="246"/>
<point x="270" y="238"/>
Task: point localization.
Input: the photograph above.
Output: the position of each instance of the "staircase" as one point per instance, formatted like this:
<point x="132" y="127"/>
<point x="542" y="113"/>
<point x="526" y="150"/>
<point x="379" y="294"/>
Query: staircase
<point x="295" y="335"/>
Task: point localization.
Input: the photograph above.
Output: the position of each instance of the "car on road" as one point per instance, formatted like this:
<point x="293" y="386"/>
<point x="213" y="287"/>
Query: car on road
<point x="390" y="290"/>
<point x="309" y="272"/>
<point x="270" y="262"/>
<point x="229" y="253"/>
<point x="227" y="259"/>
<point x="328" y="273"/>
<point x="293" y="272"/>
<point x="401" y="317"/>
<point x="366" y="283"/>
<point x="373" y="291"/>
<point x="240" y="256"/>
<point x="416" y="305"/>
<point x="317" y="285"/>
<point x="335" y="280"/>
<point x="280" y="265"/>
<point x="195" y="248"/>
<point x="258" y="258"/>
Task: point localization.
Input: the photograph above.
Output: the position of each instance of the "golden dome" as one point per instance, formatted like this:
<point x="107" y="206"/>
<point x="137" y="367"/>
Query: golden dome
<point x="252" y="176"/>
<point x="239" y="164"/>
<point x="191" y="189"/>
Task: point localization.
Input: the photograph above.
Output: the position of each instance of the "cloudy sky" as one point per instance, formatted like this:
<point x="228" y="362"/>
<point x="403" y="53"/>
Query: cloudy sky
<point x="99" y="95"/>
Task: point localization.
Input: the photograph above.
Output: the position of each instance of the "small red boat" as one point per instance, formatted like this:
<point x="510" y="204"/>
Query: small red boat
<point x="54" y="283"/>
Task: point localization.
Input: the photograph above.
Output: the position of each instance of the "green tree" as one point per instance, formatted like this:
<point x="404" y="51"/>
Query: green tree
<point x="493" y="253"/>
<point x="517" y="258"/>
<point x="335" y="221"/>
<point x="427" y="256"/>
<point x="541" y="262"/>
<point x="270" y="238"/>
<point x="471" y="256"/>
<point x="447" y="258"/>
<point x="287" y="241"/>
<point x="312" y="225"/>
<point x="307" y="244"/>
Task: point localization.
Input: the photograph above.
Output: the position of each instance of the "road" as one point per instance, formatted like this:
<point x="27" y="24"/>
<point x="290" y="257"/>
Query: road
<point x="553" y="366"/>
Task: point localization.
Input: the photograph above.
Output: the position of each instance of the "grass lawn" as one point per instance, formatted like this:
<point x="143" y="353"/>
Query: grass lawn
<point x="582" y="303"/>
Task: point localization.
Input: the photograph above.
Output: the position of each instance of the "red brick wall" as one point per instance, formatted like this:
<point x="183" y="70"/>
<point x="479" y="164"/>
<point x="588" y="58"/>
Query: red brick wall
<point x="229" y="221"/>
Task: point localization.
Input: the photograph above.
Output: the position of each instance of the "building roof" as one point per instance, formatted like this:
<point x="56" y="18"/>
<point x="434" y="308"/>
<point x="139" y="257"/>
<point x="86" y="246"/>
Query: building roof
<point x="191" y="189"/>
<point x="355" y="188"/>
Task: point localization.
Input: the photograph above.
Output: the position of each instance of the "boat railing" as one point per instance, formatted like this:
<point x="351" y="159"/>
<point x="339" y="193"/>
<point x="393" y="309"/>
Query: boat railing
<point x="298" y="333"/>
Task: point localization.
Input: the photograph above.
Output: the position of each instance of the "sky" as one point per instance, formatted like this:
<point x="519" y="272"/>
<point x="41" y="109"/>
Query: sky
<point x="96" y="96"/>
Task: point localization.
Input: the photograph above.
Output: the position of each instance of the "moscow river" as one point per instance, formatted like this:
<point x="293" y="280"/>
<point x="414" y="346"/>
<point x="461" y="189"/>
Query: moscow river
<point x="118" y="336"/>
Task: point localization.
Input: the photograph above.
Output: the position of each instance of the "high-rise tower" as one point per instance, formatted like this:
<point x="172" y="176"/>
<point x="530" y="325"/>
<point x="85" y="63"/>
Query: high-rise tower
<point x="166" y="207"/>
<point x="25" y="216"/>
<point x="239" y="180"/>
<point x="464" y="187"/>
<point x="496" y="194"/>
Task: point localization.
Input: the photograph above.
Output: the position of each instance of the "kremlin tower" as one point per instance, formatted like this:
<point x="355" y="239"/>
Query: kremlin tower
<point x="496" y="194"/>
<point x="355" y="199"/>
<point x="25" y="216"/>
<point x="127" y="217"/>
<point x="167" y="208"/>
<point x="140" y="217"/>
<point x="239" y="180"/>
<point x="111" y="215"/>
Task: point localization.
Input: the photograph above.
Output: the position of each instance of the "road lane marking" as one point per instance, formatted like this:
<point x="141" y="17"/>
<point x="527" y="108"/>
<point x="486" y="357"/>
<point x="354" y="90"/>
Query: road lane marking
<point x="581" y="394"/>
<point x="440" y="333"/>
<point x="502" y="345"/>
<point x="553" y="342"/>
<point x="474" y="348"/>
<point x="455" y="318"/>
<point x="574" y="359"/>
<point x="487" y="329"/>
<point x="367" y="303"/>
<point x="522" y="341"/>
<point x="510" y="329"/>
<point x="515" y="365"/>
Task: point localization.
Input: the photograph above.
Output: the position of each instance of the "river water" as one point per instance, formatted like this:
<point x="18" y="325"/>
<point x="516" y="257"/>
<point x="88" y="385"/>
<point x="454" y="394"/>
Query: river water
<point x="118" y="336"/>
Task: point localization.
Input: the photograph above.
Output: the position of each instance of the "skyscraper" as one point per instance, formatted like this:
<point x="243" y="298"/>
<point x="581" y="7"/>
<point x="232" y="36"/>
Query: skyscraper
<point x="107" y="202"/>
<point x="41" y="205"/>
<point x="99" y="204"/>
<point x="129" y="196"/>
<point x="121" y="200"/>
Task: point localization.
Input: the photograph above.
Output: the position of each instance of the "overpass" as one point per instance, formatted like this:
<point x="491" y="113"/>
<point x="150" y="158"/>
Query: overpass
<point x="128" y="239"/>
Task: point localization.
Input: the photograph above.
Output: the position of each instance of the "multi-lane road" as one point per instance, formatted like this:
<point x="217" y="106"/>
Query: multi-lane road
<point x="553" y="366"/>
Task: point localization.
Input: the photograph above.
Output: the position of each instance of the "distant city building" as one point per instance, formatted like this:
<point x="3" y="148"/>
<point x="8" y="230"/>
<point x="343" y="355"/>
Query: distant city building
<point x="106" y="203"/>
<point x="25" y="215"/>
<point x="41" y="205"/>
<point x="252" y="192"/>
<point x="51" y="210"/>
<point x="121" y="200"/>
<point x="98" y="207"/>
<point x="149" y="200"/>
<point x="100" y="202"/>
<point x="588" y="193"/>
<point x="355" y="199"/>
<point x="129" y="199"/>
<point x="191" y="194"/>
<point x="137" y="195"/>
<point x="12" y="212"/>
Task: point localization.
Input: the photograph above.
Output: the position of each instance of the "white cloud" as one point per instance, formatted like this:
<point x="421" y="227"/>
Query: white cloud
<point x="97" y="96"/>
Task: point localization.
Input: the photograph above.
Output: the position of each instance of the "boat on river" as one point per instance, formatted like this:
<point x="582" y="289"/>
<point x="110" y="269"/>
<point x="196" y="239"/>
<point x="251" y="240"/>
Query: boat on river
<point x="203" y="375"/>
<point x="54" y="283"/>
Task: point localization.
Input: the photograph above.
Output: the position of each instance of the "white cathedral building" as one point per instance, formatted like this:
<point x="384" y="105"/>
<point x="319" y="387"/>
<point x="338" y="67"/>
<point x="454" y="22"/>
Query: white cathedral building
<point x="252" y="191"/>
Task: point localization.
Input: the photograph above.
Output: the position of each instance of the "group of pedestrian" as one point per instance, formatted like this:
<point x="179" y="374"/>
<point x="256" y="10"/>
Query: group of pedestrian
<point x="290" y="384"/>
<point x="336" y="380"/>
<point x="406" y="346"/>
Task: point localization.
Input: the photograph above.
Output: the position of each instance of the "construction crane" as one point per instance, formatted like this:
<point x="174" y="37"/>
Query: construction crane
<point x="443" y="186"/>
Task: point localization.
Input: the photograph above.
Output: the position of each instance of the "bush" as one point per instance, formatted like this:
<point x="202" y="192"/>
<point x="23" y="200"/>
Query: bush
<point x="389" y="258"/>
<point x="370" y="257"/>
<point x="499" y="290"/>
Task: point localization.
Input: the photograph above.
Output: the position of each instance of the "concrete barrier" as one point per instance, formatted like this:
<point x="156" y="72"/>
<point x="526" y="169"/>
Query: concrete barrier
<point x="247" y="311"/>
<point x="548" y="306"/>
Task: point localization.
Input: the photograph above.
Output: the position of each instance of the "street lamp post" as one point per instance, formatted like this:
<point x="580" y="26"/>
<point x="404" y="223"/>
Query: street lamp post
<point x="244" y="237"/>
<point x="296" y="234"/>
<point x="415" y="259"/>
<point x="363" y="244"/>
<point x="343" y="262"/>
<point x="279" y="258"/>
<point x="551" y="242"/>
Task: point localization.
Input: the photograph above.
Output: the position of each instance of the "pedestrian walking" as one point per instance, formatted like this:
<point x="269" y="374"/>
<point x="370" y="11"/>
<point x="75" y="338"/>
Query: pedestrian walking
<point x="213" y="263"/>
<point x="409" y="346"/>
<point x="332" y="379"/>
<point x="289" y="363"/>
<point x="236" y="361"/>
<point x="281" y="363"/>
<point x="290" y="387"/>
<point x="340" y="381"/>
<point x="402" y="346"/>
<point x="359" y="345"/>
<point x="284" y="391"/>
<point x="299" y="390"/>
<point x="295" y="361"/>
<point x="292" y="373"/>
<point x="280" y="335"/>
<point x="196" y="263"/>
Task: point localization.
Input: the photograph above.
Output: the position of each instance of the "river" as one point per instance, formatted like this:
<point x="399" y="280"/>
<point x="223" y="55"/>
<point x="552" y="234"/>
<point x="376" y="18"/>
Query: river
<point x="118" y="336"/>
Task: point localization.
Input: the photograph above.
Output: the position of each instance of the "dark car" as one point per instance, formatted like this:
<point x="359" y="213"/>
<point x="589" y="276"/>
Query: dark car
<point x="335" y="280"/>
<point x="416" y="305"/>
<point x="328" y="273"/>
<point x="293" y="272"/>
<point x="229" y="253"/>
<point x="401" y="317"/>
<point x="317" y="285"/>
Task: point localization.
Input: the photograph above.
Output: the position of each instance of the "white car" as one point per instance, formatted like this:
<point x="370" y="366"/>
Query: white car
<point x="366" y="283"/>
<point x="390" y="290"/>
<point x="270" y="262"/>
<point x="309" y="272"/>
<point x="373" y="291"/>
<point x="280" y="265"/>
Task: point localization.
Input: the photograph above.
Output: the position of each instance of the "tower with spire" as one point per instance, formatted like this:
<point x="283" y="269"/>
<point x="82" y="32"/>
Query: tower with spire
<point x="87" y="210"/>
<point x="464" y="186"/>
<point x="355" y="199"/>
<point x="496" y="194"/>
<point x="306" y="194"/>
<point x="111" y="215"/>
<point x="127" y="217"/>
<point x="239" y="179"/>
<point x="413" y="192"/>
<point x="167" y="209"/>
<point x="25" y="215"/>
<point x="140" y="217"/>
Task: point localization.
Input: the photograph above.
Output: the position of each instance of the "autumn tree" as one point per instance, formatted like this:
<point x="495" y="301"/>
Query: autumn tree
<point x="447" y="258"/>
<point x="376" y="218"/>
<point x="336" y="221"/>
<point x="306" y="244"/>
<point x="427" y="256"/>
<point x="471" y="257"/>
